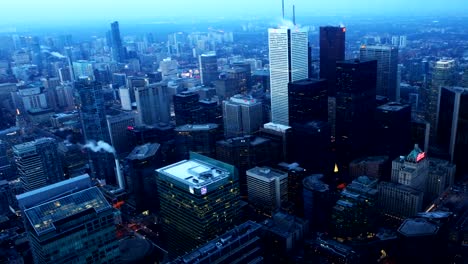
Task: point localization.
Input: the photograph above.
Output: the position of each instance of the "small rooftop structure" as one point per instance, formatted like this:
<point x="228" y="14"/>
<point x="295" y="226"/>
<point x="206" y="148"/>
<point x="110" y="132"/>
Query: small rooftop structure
<point x="197" y="175"/>
<point x="266" y="173"/>
<point x="143" y="151"/>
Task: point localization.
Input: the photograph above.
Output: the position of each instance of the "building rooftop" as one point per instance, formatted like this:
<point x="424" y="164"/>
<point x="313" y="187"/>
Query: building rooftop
<point x="314" y="183"/>
<point x="276" y="127"/>
<point x="44" y="216"/>
<point x="378" y="47"/>
<point x="445" y="63"/>
<point x="392" y="107"/>
<point x="202" y="254"/>
<point x="134" y="249"/>
<point x="64" y="115"/>
<point x="266" y="173"/>
<point x="417" y="227"/>
<point x="37" y="196"/>
<point x="416" y="155"/>
<point x="284" y="225"/>
<point x="243" y="100"/>
<point x="31" y="145"/>
<point x="195" y="174"/>
<point x="196" y="127"/>
<point x="143" y="151"/>
<point x="307" y="82"/>
<point x="373" y="159"/>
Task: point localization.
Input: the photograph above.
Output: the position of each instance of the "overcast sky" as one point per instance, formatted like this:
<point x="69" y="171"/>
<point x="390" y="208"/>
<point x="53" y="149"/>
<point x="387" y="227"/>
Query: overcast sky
<point x="27" y="11"/>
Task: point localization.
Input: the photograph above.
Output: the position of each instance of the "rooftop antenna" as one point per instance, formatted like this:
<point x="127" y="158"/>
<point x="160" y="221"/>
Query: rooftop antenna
<point x="282" y="1"/>
<point x="294" y="15"/>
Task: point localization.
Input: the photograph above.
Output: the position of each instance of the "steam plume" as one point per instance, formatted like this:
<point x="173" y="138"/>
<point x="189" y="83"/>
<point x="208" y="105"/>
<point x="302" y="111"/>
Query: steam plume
<point x="99" y="146"/>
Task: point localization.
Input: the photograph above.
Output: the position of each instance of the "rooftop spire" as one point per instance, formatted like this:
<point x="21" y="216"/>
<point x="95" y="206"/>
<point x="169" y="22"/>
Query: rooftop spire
<point x="282" y="7"/>
<point x="294" y="14"/>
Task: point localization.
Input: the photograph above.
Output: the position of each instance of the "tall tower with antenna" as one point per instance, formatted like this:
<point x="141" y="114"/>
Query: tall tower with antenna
<point x="289" y="62"/>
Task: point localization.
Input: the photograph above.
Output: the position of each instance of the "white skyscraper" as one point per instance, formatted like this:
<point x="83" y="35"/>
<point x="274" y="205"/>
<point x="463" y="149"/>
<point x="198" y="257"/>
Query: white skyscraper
<point x="288" y="55"/>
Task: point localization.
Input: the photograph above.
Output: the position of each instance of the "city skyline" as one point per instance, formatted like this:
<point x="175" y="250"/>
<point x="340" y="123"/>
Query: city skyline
<point x="234" y="132"/>
<point x="79" y="12"/>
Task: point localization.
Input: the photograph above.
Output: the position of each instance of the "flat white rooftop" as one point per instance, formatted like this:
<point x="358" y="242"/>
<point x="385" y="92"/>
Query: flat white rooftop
<point x="194" y="173"/>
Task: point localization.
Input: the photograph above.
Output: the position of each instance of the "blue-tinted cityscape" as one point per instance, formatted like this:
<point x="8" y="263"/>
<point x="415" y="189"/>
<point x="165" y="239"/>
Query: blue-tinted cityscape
<point x="234" y="132"/>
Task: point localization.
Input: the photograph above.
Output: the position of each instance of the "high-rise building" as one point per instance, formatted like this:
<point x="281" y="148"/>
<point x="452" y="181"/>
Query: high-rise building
<point x="152" y="105"/>
<point x="73" y="161"/>
<point x="118" y="51"/>
<point x="94" y="125"/>
<point x="332" y="49"/>
<point x="83" y="68"/>
<point x="141" y="182"/>
<point x="355" y="106"/>
<point x="199" y="138"/>
<point x="118" y="126"/>
<point x="442" y="75"/>
<point x="318" y="201"/>
<point x="210" y="112"/>
<point x="387" y="69"/>
<point x="374" y="166"/>
<point x="280" y="137"/>
<point x="308" y="101"/>
<point x="267" y="189"/>
<point x="296" y="175"/>
<point x="208" y="64"/>
<point x="65" y="99"/>
<point x="313" y="138"/>
<point x="288" y="56"/>
<point x="244" y="153"/>
<point x="283" y="233"/>
<point x="243" y="72"/>
<point x="441" y="176"/>
<point x="453" y="125"/>
<point x="241" y="244"/>
<point x="199" y="200"/>
<point x="65" y="74"/>
<point x="242" y="116"/>
<point x="186" y="108"/>
<point x="354" y="212"/>
<point x="393" y="129"/>
<point x="70" y="222"/>
<point x="411" y="170"/>
<point x="38" y="163"/>
<point x="398" y="200"/>
<point x="169" y="68"/>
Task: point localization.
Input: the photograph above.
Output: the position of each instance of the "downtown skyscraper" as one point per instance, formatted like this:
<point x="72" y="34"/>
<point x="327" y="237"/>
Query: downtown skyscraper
<point x="70" y="222"/>
<point x="387" y="69"/>
<point x="94" y="124"/>
<point x="332" y="49"/>
<point x="288" y="55"/>
<point x="118" y="52"/>
<point x="38" y="163"/>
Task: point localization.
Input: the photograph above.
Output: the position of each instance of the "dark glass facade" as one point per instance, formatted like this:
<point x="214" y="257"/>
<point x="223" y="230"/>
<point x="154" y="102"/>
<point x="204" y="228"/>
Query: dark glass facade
<point x="308" y="101"/>
<point x="186" y="108"/>
<point x="332" y="49"/>
<point x="355" y="106"/>
<point x="393" y="129"/>
<point x="94" y="123"/>
<point x="197" y="206"/>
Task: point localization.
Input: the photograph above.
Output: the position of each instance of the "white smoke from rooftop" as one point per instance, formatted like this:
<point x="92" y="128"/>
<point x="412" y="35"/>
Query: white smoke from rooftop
<point x="99" y="146"/>
<point x="106" y="147"/>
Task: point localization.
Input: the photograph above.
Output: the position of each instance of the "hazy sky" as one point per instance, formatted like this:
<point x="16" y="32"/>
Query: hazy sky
<point x="27" y="11"/>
